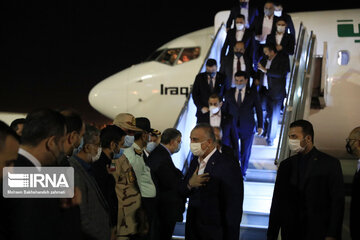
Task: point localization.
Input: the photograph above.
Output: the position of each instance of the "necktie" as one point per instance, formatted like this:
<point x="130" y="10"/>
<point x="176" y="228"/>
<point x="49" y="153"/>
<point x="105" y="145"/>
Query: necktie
<point x="211" y="85"/>
<point x="238" y="66"/>
<point x="239" y="98"/>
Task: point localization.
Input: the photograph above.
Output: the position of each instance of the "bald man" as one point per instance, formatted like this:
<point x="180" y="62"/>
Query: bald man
<point x="353" y="147"/>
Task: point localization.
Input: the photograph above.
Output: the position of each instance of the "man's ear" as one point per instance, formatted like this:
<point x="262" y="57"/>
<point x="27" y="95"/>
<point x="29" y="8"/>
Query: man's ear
<point x="220" y="104"/>
<point x="86" y="148"/>
<point x="72" y="137"/>
<point x="50" y="143"/>
<point x="308" y="138"/>
<point x="112" y="145"/>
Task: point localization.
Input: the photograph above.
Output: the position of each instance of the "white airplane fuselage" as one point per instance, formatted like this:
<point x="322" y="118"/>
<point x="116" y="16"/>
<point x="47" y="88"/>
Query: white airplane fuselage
<point x="158" y="91"/>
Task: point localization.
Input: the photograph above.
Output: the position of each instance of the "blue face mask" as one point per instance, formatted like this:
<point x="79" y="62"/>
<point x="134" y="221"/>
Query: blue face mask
<point x="129" y="140"/>
<point x="243" y="4"/>
<point x="240" y="86"/>
<point x="118" y="155"/>
<point x="78" y="149"/>
<point x="211" y="74"/>
<point x="150" y="146"/>
<point x="178" y="148"/>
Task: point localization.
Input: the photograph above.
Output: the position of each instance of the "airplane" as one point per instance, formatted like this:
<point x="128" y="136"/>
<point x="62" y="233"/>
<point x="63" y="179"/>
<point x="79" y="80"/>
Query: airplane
<point x="158" y="87"/>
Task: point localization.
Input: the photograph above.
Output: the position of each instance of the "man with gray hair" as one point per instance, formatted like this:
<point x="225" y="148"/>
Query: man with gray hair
<point x="94" y="210"/>
<point x="353" y="147"/>
<point x="167" y="178"/>
<point x="215" y="205"/>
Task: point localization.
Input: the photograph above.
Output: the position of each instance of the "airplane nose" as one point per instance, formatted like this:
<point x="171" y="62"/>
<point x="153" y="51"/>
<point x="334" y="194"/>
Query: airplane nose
<point x="109" y="96"/>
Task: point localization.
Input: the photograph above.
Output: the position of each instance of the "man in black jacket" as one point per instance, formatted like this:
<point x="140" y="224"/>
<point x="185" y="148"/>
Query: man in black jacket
<point x="284" y="41"/>
<point x="167" y="179"/>
<point x="205" y="84"/>
<point x="274" y="68"/>
<point x="308" y="200"/>
<point x="245" y="8"/>
<point x="353" y="147"/>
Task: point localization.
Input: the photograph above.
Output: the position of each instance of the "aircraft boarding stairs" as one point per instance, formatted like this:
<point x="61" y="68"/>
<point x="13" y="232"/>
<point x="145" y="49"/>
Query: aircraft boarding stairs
<point x="261" y="175"/>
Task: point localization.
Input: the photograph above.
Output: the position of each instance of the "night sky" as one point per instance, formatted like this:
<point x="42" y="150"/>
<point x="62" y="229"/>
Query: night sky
<point x="53" y="52"/>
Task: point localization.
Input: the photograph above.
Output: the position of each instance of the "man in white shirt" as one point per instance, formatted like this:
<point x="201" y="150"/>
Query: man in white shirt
<point x="215" y="208"/>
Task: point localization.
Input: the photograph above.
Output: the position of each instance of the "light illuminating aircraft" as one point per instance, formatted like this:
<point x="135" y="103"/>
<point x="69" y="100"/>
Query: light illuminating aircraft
<point x="158" y="87"/>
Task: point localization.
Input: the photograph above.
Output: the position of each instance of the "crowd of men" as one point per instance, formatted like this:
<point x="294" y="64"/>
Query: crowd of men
<point x="127" y="186"/>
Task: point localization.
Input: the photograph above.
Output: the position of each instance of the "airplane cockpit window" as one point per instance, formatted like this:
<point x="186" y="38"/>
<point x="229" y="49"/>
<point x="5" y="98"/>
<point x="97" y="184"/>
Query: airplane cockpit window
<point x="169" y="56"/>
<point x="154" y="55"/>
<point x="343" y="57"/>
<point x="189" y="54"/>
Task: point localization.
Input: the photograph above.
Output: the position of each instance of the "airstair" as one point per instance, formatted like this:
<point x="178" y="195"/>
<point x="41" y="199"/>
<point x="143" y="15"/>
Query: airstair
<point x="261" y="175"/>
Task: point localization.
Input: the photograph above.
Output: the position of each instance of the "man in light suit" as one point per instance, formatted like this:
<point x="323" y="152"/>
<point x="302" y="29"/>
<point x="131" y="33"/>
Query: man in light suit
<point x="167" y="179"/>
<point x="274" y="68"/>
<point x="205" y="84"/>
<point x="215" y="205"/>
<point x="353" y="147"/>
<point x="94" y="210"/>
<point x="241" y="102"/>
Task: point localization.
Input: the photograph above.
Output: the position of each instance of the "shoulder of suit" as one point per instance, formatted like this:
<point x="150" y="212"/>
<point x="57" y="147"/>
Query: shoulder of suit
<point x="325" y="156"/>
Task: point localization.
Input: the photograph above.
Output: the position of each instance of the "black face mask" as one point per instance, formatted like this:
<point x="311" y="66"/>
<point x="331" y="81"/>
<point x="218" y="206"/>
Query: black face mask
<point x="211" y="74"/>
<point x="348" y="148"/>
<point x="238" y="54"/>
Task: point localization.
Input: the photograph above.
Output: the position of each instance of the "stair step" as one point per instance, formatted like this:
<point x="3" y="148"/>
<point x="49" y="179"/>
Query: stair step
<point x="257" y="197"/>
<point x="260" y="175"/>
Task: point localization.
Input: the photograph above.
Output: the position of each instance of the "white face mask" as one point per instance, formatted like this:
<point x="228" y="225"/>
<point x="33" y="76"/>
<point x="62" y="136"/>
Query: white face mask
<point x="150" y="146"/>
<point x="294" y="145"/>
<point x="196" y="149"/>
<point x="278" y="13"/>
<point x="240" y="26"/>
<point x="280" y="29"/>
<point x="214" y="110"/>
<point x="97" y="156"/>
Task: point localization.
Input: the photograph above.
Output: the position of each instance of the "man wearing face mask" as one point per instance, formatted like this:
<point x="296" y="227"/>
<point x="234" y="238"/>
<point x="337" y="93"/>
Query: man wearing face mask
<point x="244" y="8"/>
<point x="215" y="204"/>
<point x="167" y="178"/>
<point x="42" y="144"/>
<point x="236" y="34"/>
<point x="264" y="24"/>
<point x="205" y="84"/>
<point x="279" y="12"/>
<point x="240" y="102"/>
<point x="111" y="140"/>
<point x="154" y="140"/>
<point x="273" y="69"/>
<point x="284" y="41"/>
<point x="238" y="60"/>
<point x="308" y="200"/>
<point x="94" y="209"/>
<point x="353" y="148"/>
<point x="126" y="122"/>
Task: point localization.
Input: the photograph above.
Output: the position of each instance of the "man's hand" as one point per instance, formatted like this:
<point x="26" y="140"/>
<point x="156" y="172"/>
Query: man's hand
<point x="198" y="180"/>
<point x="259" y="131"/>
<point x="204" y="110"/>
<point x="261" y="67"/>
<point x="279" y="47"/>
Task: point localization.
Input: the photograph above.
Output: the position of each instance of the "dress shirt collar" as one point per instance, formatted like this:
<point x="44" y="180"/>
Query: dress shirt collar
<point x="166" y="148"/>
<point x="208" y="156"/>
<point x="30" y="157"/>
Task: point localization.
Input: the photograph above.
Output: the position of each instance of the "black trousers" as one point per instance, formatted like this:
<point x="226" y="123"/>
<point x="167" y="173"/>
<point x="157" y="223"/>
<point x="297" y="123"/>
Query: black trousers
<point x="149" y="206"/>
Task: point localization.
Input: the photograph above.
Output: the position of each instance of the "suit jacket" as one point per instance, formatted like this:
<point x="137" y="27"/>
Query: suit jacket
<point x="355" y="207"/>
<point x="253" y="12"/>
<point x="243" y="115"/>
<point x="310" y="206"/>
<point x="276" y="75"/>
<point x="32" y="218"/>
<point x="95" y="218"/>
<point x="258" y="24"/>
<point x="201" y="90"/>
<point x="167" y="179"/>
<point x="287" y="42"/>
<point x="106" y="183"/>
<point x="219" y="203"/>
<point x="230" y="41"/>
<point x="290" y="25"/>
<point x="227" y="67"/>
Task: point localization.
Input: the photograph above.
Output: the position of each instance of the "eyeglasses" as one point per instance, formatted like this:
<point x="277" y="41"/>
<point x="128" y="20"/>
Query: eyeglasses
<point x="351" y="139"/>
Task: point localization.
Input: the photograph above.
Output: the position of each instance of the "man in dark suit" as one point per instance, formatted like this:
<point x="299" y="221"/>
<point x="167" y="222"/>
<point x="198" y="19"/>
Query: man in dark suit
<point x="279" y="12"/>
<point x="263" y="25"/>
<point x="241" y="102"/>
<point x="274" y="69"/>
<point x="215" y="206"/>
<point x="238" y="60"/>
<point x="205" y="84"/>
<point x="94" y="209"/>
<point x="353" y="147"/>
<point x="42" y="144"/>
<point x="308" y="200"/>
<point x="111" y="140"/>
<point x="284" y="41"/>
<point x="236" y="34"/>
<point x="245" y="8"/>
<point x="167" y="179"/>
